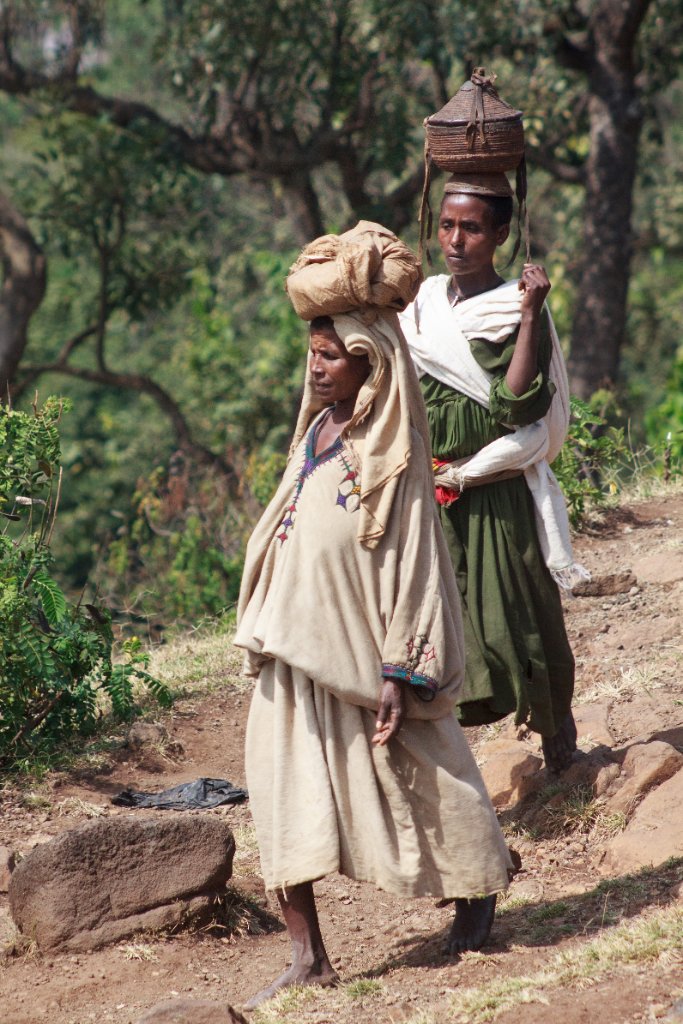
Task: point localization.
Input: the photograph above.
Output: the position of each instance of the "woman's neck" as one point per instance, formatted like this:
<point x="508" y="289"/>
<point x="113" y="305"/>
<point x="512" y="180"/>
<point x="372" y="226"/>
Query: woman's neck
<point x="343" y="411"/>
<point x="335" y="420"/>
<point x="468" y="285"/>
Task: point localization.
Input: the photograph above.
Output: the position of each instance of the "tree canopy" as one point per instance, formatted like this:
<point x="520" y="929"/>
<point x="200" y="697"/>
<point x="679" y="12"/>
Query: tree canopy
<point x="166" y="159"/>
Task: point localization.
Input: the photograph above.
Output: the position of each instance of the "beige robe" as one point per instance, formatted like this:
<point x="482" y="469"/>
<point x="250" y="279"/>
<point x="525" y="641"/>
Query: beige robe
<point x="322" y="618"/>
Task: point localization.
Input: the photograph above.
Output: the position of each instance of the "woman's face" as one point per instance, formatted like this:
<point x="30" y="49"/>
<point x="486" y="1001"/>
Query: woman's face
<point x="467" y="236"/>
<point x="337" y="375"/>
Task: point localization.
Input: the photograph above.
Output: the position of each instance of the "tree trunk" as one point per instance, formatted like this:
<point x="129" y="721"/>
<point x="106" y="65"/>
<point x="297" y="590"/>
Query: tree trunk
<point x="615" y="121"/>
<point x="301" y="205"/>
<point x="23" y="287"/>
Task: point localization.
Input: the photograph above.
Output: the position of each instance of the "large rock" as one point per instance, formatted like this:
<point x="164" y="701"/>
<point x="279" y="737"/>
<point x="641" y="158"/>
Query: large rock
<point x="510" y="773"/>
<point x="654" y="833"/>
<point x="98" y="883"/>
<point x="192" y="1011"/>
<point x="645" y="766"/>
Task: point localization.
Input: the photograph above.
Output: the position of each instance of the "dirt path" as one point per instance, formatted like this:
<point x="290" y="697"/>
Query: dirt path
<point x="560" y="918"/>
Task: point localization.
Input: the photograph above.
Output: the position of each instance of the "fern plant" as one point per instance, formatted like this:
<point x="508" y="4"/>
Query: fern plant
<point x="55" y="657"/>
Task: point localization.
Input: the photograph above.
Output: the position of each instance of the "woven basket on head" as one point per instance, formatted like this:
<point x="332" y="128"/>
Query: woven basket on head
<point x="476" y="131"/>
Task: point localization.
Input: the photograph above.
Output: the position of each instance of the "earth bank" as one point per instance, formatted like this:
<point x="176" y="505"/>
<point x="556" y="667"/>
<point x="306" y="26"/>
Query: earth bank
<point x="586" y="929"/>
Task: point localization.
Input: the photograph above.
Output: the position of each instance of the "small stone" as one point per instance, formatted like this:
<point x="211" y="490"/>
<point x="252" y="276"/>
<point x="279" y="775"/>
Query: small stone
<point x="510" y="773"/>
<point x="192" y="1011"/>
<point x="8" y="860"/>
<point x="146" y="734"/>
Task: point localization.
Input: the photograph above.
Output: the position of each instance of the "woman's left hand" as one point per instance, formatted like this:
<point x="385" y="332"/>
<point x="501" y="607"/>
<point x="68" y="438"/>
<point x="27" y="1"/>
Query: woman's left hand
<point x="390" y="712"/>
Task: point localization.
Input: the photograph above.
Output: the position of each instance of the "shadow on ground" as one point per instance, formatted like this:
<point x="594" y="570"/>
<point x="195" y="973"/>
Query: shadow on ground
<point x="546" y="923"/>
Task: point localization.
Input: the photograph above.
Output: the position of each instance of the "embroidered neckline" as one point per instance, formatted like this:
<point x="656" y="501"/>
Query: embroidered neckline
<point x="310" y="464"/>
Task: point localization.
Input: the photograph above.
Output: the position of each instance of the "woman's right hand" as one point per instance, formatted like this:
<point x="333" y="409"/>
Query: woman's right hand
<point x="535" y="285"/>
<point x="390" y="712"/>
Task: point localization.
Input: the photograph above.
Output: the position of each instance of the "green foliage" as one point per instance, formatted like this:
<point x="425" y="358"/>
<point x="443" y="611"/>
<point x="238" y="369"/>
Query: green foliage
<point x="588" y="465"/>
<point x="112" y="200"/>
<point x="179" y="556"/>
<point x="187" y="269"/>
<point x="664" y="422"/>
<point x="55" y="657"/>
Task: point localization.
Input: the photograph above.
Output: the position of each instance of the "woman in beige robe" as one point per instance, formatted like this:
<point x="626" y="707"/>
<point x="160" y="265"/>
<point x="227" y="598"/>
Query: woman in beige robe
<point x="350" y="617"/>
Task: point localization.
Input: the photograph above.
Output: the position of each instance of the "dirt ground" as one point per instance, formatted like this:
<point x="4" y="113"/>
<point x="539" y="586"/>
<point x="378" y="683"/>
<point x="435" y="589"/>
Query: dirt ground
<point x="388" y="951"/>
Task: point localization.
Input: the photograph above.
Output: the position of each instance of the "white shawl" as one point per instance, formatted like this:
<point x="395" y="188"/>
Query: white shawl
<point x="439" y="336"/>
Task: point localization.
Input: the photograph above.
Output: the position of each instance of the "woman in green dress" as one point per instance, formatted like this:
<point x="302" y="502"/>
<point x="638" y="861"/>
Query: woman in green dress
<point x="483" y="350"/>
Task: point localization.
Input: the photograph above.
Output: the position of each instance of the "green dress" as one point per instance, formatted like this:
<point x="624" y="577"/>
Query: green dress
<point x="518" y="656"/>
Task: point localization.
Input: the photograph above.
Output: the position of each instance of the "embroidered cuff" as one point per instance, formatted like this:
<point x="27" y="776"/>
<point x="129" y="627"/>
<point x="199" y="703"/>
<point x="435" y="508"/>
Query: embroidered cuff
<point x="428" y="686"/>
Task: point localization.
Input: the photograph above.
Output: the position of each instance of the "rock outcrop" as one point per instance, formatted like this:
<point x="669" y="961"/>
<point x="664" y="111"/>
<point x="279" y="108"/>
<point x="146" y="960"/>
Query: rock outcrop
<point x="654" y="833"/>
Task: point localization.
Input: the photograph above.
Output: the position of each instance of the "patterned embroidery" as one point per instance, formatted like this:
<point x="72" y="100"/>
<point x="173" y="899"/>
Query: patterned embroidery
<point x="408" y="676"/>
<point x="348" y="494"/>
<point x="420" y="653"/>
<point x="311" y="463"/>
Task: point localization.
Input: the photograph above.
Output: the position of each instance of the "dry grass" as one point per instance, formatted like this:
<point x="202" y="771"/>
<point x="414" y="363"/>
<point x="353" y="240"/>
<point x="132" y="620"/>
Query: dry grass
<point x="645" y="485"/>
<point x="139" y="951"/>
<point x="199" y="663"/>
<point x="630" y="682"/>
<point x="246" y="850"/>
<point x="236" y="914"/>
<point x="289" y="1001"/>
<point x="80" y="808"/>
<point x="652" y="937"/>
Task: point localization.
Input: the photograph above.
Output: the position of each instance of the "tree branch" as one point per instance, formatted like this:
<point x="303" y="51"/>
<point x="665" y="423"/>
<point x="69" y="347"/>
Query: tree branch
<point x="569" y="173"/>
<point x="144" y="385"/>
<point x="237" y="151"/>
<point x="17" y="388"/>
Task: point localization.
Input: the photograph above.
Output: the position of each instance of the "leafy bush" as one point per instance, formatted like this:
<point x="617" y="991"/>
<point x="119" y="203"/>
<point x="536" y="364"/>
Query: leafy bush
<point x="587" y="468"/>
<point x="178" y="556"/>
<point x="664" y="422"/>
<point x="55" y="657"/>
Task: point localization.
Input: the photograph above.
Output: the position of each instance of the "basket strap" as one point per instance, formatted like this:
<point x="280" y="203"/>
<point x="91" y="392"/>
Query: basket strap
<point x="475" y="125"/>
<point x="425" y="215"/>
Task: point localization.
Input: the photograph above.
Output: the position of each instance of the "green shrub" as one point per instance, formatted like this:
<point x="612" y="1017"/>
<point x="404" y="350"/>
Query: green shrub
<point x="55" y="657"/>
<point x="178" y="556"/>
<point x="664" y="422"/>
<point x="588" y="466"/>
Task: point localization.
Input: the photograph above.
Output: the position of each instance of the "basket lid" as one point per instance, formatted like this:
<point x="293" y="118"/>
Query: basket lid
<point x="475" y="100"/>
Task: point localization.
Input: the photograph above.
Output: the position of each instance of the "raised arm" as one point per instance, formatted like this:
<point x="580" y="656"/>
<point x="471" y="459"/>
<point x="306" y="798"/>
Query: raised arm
<point x="523" y="367"/>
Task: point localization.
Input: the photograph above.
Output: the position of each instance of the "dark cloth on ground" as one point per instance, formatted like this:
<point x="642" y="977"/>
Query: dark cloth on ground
<point x="202" y="793"/>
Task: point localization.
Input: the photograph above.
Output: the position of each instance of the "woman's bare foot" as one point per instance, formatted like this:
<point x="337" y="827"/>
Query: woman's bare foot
<point x="310" y="962"/>
<point x="323" y="975"/>
<point x="558" y="750"/>
<point x="472" y="925"/>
